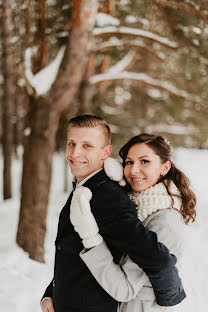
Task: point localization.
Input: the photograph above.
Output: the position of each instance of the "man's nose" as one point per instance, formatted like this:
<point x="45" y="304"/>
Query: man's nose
<point x="76" y="151"/>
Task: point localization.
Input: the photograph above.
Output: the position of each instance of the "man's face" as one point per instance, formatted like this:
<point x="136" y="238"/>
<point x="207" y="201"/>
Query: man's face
<point x="86" y="150"/>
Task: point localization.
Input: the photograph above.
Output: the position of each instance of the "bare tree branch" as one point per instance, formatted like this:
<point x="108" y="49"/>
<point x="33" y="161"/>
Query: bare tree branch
<point x="184" y="7"/>
<point x="147" y="80"/>
<point x="138" y="44"/>
<point x="123" y="64"/>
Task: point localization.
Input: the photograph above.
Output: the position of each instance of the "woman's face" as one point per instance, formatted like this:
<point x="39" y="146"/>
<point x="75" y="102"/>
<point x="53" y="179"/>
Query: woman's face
<point x="143" y="168"/>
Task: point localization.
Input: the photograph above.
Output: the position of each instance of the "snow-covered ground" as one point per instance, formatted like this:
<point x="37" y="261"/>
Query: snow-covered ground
<point x="24" y="280"/>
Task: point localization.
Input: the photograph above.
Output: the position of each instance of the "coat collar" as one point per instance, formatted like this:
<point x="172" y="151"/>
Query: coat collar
<point x="96" y="180"/>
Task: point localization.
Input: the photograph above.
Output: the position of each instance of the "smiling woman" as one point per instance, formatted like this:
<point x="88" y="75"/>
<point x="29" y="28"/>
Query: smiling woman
<point x="147" y="161"/>
<point x="143" y="167"/>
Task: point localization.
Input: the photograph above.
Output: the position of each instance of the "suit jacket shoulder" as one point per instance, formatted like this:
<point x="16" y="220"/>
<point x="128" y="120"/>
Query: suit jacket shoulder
<point x="109" y="198"/>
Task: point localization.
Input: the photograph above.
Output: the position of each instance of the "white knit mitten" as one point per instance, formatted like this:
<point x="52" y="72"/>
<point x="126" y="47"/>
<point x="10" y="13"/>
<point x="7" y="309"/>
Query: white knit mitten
<point x="114" y="170"/>
<point x="82" y="218"/>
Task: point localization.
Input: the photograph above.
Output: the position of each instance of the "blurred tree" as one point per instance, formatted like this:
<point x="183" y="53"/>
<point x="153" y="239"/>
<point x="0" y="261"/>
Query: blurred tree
<point x="40" y="59"/>
<point x="43" y="119"/>
<point x="8" y="99"/>
<point x="157" y="101"/>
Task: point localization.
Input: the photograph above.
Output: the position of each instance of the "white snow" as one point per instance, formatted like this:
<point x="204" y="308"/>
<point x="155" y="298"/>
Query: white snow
<point x="123" y="63"/>
<point x="121" y="96"/>
<point x="43" y="80"/>
<point x="154" y="93"/>
<point x="27" y="131"/>
<point x="178" y="129"/>
<point x="144" y="78"/>
<point x="114" y="42"/>
<point x="103" y="19"/>
<point x="135" y="32"/>
<point x="197" y="30"/>
<point x="23" y="280"/>
<point x="130" y="19"/>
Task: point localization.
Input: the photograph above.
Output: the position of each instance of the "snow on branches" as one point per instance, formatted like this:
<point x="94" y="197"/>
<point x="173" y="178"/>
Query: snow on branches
<point x="147" y="80"/>
<point x="111" y="30"/>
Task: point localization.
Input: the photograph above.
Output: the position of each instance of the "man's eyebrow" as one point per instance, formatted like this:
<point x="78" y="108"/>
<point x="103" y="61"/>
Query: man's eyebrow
<point x="85" y="141"/>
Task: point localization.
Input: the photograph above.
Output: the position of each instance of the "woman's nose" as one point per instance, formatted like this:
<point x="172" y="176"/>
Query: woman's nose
<point x="135" y="169"/>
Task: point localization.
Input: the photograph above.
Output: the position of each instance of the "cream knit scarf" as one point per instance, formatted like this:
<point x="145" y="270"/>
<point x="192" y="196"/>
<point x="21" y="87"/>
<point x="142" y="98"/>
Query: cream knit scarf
<point x="155" y="198"/>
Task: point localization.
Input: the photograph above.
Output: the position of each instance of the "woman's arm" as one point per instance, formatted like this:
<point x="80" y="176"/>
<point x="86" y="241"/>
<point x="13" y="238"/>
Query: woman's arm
<point x="122" y="283"/>
<point x="122" y="229"/>
<point x="171" y="230"/>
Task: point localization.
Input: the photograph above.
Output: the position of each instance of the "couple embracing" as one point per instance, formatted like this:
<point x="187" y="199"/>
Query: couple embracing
<point x="119" y="248"/>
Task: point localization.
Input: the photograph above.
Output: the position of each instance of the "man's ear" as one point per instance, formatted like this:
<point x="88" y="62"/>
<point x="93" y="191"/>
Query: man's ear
<point x="107" y="151"/>
<point x="166" y="168"/>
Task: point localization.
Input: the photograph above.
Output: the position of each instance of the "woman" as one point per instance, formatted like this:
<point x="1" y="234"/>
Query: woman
<point x="165" y="204"/>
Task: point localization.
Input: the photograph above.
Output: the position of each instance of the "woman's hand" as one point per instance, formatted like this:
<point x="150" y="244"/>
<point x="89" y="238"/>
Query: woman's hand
<point x="82" y="218"/>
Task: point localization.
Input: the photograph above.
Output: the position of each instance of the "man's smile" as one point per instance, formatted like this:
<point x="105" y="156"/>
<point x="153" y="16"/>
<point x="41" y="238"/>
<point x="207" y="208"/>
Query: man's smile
<point x="77" y="163"/>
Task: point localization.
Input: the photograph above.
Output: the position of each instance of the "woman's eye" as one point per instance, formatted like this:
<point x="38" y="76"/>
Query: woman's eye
<point x="128" y="162"/>
<point x="144" y="161"/>
<point x="87" y="145"/>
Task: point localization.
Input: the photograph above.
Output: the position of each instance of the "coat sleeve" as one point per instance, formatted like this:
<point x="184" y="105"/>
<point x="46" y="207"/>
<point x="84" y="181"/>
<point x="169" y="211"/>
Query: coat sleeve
<point x="122" y="230"/>
<point x="121" y="282"/>
<point x="170" y="229"/>
<point x="124" y="282"/>
<point x="48" y="292"/>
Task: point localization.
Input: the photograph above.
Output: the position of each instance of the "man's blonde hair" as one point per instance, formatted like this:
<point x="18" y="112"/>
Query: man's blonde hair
<point x="90" y="121"/>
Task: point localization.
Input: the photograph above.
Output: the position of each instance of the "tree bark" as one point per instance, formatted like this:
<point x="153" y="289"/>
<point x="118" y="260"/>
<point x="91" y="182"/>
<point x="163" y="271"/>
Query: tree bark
<point x="43" y="122"/>
<point x="7" y="64"/>
<point x="37" y="160"/>
<point x="41" y="58"/>
<point x="185" y="7"/>
<point x="85" y="91"/>
<point x="108" y="7"/>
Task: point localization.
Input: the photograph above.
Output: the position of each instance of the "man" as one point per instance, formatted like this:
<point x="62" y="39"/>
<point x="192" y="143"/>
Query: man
<point x="73" y="288"/>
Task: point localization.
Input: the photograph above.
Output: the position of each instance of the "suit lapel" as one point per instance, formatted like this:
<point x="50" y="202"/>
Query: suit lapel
<point x="95" y="181"/>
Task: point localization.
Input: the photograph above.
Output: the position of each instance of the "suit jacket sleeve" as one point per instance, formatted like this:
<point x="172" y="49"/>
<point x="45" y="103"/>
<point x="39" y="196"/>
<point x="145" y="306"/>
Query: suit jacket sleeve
<point x="48" y="292"/>
<point x="122" y="230"/>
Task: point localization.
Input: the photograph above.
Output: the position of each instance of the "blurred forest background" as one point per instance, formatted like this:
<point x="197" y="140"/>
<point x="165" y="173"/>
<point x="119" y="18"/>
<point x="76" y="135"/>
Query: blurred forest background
<point x="142" y="65"/>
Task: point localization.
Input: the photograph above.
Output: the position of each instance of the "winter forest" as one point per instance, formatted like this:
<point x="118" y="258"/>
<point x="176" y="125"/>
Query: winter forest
<point x="142" y="66"/>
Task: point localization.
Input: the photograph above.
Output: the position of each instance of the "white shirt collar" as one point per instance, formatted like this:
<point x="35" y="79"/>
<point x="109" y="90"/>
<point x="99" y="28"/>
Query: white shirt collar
<point x="87" y="178"/>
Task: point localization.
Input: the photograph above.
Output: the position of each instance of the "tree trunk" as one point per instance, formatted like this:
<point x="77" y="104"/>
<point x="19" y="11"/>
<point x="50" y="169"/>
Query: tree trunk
<point x="85" y="92"/>
<point x="27" y="23"/>
<point x="7" y="97"/>
<point x="41" y="58"/>
<point x="43" y="121"/>
<point x="37" y="159"/>
<point x="108" y="7"/>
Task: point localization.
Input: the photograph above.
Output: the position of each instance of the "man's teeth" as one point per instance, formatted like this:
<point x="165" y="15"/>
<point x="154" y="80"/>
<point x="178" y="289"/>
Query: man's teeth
<point x="138" y="179"/>
<point x="77" y="162"/>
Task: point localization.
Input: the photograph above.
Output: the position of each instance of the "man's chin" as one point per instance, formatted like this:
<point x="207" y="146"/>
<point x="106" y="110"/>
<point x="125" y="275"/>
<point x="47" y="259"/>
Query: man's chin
<point x="77" y="171"/>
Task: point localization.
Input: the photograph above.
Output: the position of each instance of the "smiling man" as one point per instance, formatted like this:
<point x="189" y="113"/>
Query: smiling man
<point x="86" y="149"/>
<point x="73" y="288"/>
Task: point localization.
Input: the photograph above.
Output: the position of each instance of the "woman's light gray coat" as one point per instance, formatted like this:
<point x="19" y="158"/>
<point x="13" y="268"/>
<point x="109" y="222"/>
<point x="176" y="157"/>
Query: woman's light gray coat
<point x="128" y="283"/>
